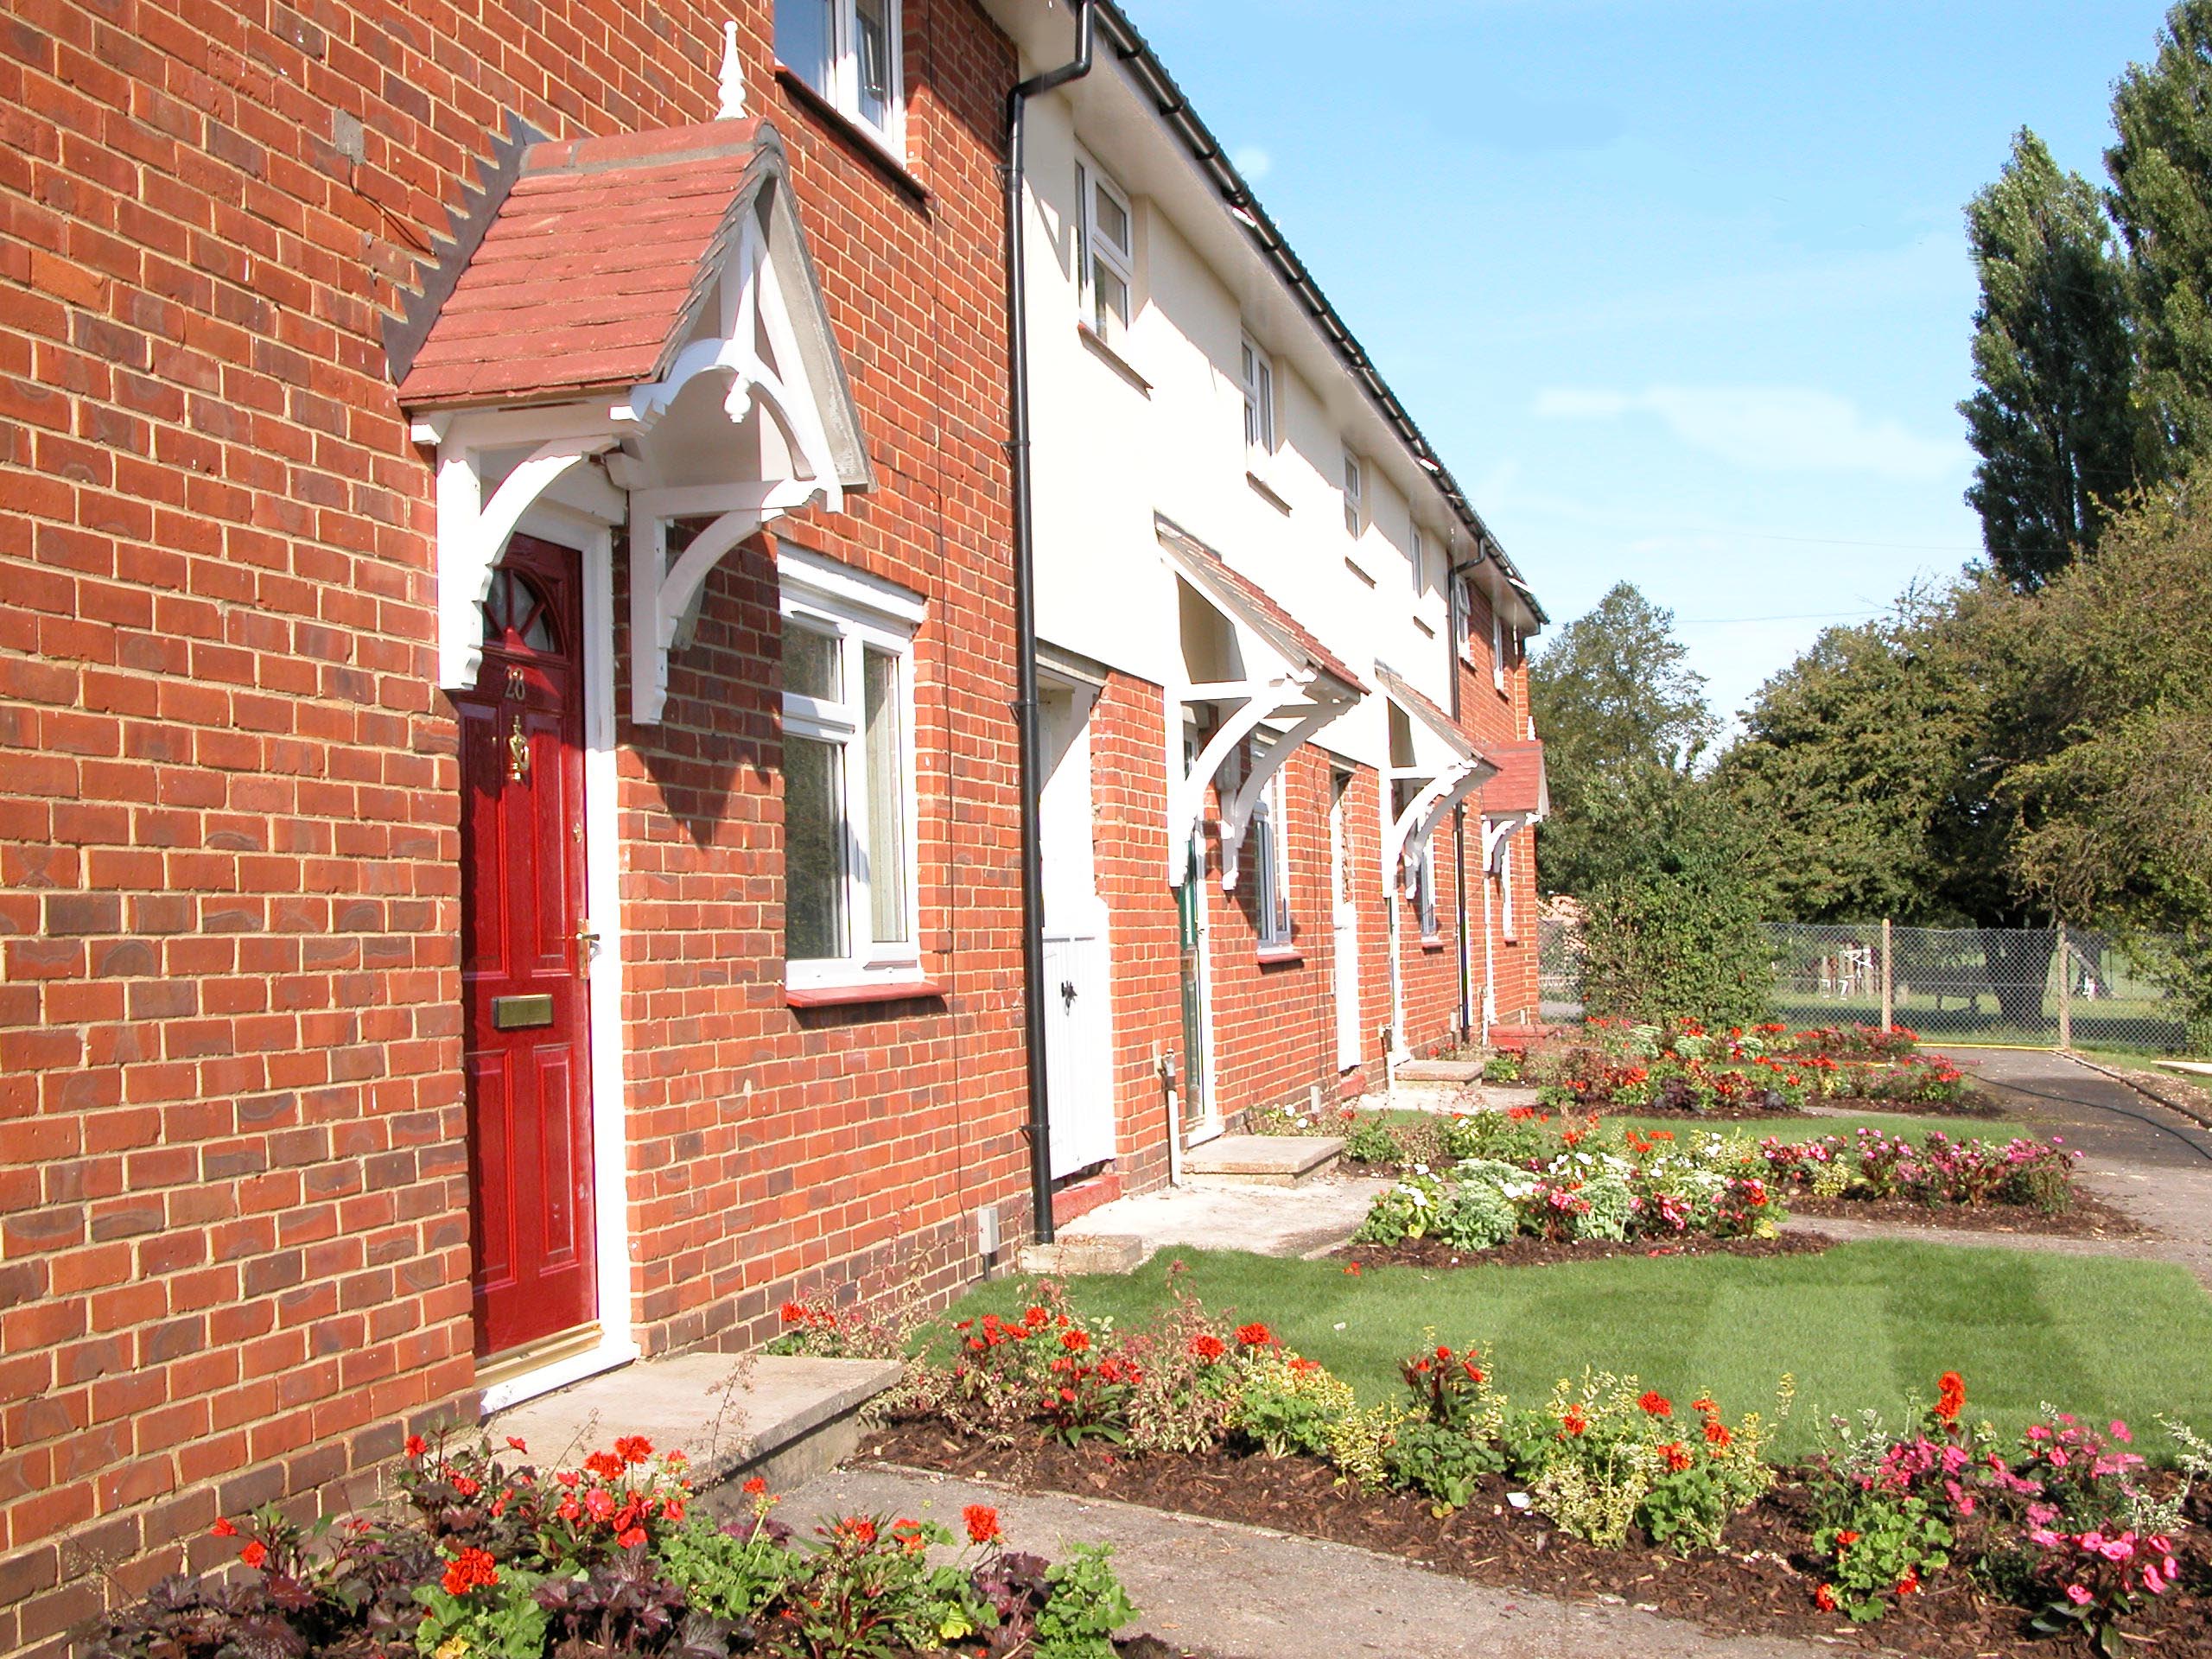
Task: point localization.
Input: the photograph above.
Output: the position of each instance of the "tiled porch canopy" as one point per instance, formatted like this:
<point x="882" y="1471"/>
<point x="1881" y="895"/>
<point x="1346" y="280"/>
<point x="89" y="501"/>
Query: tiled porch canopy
<point x="1286" y="677"/>
<point x="639" y="334"/>
<point x="1520" y="794"/>
<point x="1443" y="765"/>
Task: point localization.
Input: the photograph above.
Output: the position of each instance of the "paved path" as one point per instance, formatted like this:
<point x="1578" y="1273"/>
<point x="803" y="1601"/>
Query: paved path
<point x="1262" y="1595"/>
<point x="2153" y="1165"/>
<point x="1308" y="1220"/>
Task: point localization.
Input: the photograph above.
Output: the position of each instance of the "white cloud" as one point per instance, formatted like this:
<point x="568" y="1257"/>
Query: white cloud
<point x="1772" y="429"/>
<point x="1252" y="161"/>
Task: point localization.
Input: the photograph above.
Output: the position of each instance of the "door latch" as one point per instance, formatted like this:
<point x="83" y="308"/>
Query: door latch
<point x="587" y="947"/>
<point x="1067" y="991"/>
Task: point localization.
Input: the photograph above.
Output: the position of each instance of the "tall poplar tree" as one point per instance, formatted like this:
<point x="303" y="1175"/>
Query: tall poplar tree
<point x="2053" y="422"/>
<point x="2161" y="199"/>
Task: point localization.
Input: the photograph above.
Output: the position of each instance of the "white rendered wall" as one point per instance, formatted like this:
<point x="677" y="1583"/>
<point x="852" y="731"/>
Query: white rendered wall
<point x="1108" y="456"/>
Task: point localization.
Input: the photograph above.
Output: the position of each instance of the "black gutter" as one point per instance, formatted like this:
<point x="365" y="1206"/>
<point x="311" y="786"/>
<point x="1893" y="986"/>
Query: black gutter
<point x="1027" y="719"/>
<point x="1175" y="109"/>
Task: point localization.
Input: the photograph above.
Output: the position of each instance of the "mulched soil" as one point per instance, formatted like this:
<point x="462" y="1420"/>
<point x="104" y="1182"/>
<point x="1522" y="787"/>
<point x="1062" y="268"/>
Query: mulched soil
<point x="2091" y="1217"/>
<point x="1760" y="1581"/>
<point x="1974" y="1105"/>
<point x="1524" y="1252"/>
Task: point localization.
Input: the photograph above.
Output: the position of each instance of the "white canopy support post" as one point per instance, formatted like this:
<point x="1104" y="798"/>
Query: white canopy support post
<point x="1497" y="832"/>
<point x="473" y="533"/>
<point x="1311" y="718"/>
<point x="1186" y="793"/>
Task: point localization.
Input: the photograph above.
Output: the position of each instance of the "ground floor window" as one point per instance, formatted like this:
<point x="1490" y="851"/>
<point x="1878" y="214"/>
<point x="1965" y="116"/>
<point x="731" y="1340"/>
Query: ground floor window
<point x="1271" y="866"/>
<point x="849" y="863"/>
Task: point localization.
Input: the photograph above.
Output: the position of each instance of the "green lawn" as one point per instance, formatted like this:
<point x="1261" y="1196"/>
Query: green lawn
<point x="1858" y="1326"/>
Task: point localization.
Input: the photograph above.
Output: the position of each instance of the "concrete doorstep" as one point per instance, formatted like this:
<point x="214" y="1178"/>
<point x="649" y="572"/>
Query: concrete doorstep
<point x="1264" y="1160"/>
<point x="786" y="1417"/>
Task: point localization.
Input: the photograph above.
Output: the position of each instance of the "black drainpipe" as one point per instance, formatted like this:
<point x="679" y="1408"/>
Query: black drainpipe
<point x="1024" y="623"/>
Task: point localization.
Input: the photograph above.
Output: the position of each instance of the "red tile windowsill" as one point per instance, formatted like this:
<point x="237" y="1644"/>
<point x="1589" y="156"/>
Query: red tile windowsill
<point x="843" y="996"/>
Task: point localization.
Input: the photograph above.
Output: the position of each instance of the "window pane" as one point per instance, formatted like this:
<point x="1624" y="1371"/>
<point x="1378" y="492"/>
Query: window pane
<point x="1113" y="223"/>
<point x="810" y="663"/>
<point x="871" y="44"/>
<point x="803" y="39"/>
<point x="814" y="859"/>
<point x="886" y="798"/>
<point x="1112" y="295"/>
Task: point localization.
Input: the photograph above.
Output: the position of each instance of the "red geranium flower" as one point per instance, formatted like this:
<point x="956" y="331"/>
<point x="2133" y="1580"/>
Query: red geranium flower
<point x="604" y="1464"/>
<point x="1824" y="1599"/>
<point x="982" y="1522"/>
<point x="1656" y="1404"/>
<point x="255" y="1554"/>
<point x="1717" y="1431"/>
<point x="1207" y="1347"/>
<point x="1845" y="1540"/>
<point x="514" y="1442"/>
<point x="417" y="1445"/>
<point x="1037" y="1316"/>
<point x="756" y="1487"/>
<point x="224" y="1528"/>
<point x="631" y="1538"/>
<point x="465" y="1486"/>
<point x="1950" y="1395"/>
<point x="633" y="1448"/>
<point x="472" y="1569"/>
<point x="1075" y="1342"/>
<point x="1909" y="1585"/>
<point x="1254" y="1335"/>
<point x="1574" y="1422"/>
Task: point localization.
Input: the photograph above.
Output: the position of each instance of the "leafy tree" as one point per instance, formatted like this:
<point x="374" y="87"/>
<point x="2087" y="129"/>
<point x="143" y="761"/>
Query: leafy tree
<point x="1623" y="715"/>
<point x="1852" y="766"/>
<point x="1675" y="929"/>
<point x="2053" y="422"/>
<point x="2108" y="689"/>
<point x="2161" y="199"/>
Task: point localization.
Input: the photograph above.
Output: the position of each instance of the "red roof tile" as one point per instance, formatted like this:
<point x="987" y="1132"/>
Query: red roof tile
<point x="1520" y="786"/>
<point x="590" y="268"/>
<point x="1259" y="606"/>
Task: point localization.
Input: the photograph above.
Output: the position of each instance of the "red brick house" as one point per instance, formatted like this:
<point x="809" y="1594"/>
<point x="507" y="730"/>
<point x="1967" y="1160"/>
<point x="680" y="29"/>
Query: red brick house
<point x="406" y="527"/>
<point x="511" y="831"/>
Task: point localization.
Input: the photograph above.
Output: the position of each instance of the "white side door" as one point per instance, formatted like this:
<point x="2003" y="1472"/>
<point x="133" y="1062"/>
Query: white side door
<point x="1345" y="918"/>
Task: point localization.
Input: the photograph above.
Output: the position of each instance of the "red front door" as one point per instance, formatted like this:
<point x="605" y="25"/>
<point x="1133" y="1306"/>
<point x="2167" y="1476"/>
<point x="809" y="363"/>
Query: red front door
<point x="523" y="961"/>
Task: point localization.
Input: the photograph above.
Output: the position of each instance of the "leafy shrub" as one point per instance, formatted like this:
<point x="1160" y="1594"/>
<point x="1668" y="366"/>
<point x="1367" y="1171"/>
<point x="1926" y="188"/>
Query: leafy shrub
<point x="1287" y="1403"/>
<point x="1685" y="940"/>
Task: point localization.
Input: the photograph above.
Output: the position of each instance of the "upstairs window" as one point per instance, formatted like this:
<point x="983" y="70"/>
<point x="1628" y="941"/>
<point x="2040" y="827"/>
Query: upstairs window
<point x="1355" y="492"/>
<point x="848" y="51"/>
<point x="1463" y="634"/>
<point x="1256" y="376"/>
<point x="1105" y="250"/>
<point x="850" y="864"/>
<point x="1497" y="649"/>
<point x="1417" y="556"/>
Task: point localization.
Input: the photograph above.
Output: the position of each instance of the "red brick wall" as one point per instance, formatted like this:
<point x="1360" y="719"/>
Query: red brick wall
<point x="232" y="1233"/>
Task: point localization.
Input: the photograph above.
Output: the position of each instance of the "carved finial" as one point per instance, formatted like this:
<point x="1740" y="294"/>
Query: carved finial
<point x="732" y="76"/>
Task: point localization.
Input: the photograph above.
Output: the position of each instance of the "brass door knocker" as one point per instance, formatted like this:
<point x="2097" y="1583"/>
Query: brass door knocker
<point x="518" y="754"/>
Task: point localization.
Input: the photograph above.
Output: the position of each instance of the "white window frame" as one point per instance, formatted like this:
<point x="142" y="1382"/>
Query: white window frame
<point x="1462" y="619"/>
<point x="863" y="614"/>
<point x="1509" y="925"/>
<point x="1424" y="890"/>
<point x="1417" y="556"/>
<point x="1496" y="648"/>
<point x="1355" y="488"/>
<point x="1256" y="379"/>
<point x="1271" y="861"/>
<point x="1090" y="181"/>
<point x="842" y="93"/>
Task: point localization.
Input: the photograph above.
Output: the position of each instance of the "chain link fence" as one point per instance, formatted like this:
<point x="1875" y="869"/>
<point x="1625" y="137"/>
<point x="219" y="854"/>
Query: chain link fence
<point x="2023" y="987"/>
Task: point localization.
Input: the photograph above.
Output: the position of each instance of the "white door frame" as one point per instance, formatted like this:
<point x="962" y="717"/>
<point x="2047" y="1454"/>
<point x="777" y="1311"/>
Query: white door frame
<point x="617" y="1343"/>
<point x="1343" y="915"/>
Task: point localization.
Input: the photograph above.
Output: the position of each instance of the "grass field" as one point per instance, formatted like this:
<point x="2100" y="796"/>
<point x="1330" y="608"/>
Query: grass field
<point x="1858" y="1326"/>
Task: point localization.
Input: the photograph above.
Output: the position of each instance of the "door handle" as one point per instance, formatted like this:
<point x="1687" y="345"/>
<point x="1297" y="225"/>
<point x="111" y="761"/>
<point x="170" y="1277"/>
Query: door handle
<point x="586" y="945"/>
<point x="1067" y="990"/>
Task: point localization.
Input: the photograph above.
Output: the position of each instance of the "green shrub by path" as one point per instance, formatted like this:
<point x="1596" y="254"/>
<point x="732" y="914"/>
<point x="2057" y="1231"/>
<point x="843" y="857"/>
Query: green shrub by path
<point x="1858" y="1326"/>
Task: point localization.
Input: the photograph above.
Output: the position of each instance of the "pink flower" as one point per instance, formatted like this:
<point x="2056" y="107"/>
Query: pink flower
<point x="2077" y="1595"/>
<point x="2119" y="1432"/>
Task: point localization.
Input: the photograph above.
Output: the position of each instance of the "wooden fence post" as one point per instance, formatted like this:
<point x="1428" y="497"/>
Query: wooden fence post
<point x="2065" y="991"/>
<point x="1889" y="980"/>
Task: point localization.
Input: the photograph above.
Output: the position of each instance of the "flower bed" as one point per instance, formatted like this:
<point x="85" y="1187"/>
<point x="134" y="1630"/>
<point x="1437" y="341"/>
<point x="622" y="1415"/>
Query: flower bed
<point x="489" y="1557"/>
<point x="1763" y="1072"/>
<point x="1585" y="1186"/>
<point x="1965" y="1543"/>
<point x="1519" y="1174"/>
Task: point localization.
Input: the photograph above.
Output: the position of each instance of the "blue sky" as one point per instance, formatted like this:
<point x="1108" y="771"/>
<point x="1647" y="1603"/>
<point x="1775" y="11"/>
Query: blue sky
<point x="1679" y="287"/>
